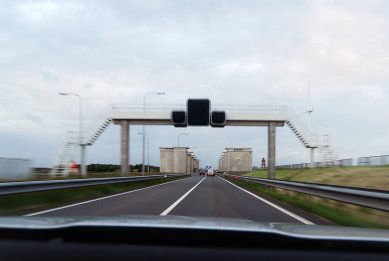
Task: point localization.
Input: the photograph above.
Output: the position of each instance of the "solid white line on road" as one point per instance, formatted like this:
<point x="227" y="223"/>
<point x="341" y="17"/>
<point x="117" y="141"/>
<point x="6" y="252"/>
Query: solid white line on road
<point x="167" y="211"/>
<point x="303" y="220"/>
<point x="93" y="200"/>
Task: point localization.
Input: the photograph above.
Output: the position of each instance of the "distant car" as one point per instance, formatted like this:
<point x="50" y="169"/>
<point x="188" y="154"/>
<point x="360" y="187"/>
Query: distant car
<point x="202" y="172"/>
<point x="211" y="172"/>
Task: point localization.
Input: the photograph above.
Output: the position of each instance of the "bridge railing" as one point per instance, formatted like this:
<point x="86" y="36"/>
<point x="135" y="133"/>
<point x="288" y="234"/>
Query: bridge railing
<point x="255" y="109"/>
<point x="274" y="109"/>
<point x="148" y="107"/>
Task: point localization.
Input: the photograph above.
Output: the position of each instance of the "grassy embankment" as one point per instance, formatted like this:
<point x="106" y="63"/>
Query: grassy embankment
<point x="362" y="177"/>
<point x="31" y="202"/>
<point x="336" y="212"/>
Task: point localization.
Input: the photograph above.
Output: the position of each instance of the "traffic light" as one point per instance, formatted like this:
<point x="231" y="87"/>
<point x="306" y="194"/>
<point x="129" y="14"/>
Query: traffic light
<point x="198" y="112"/>
<point x="218" y="119"/>
<point x="179" y="119"/>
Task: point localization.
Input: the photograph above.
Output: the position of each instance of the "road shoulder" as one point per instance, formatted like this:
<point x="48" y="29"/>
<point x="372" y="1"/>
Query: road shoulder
<point x="304" y="214"/>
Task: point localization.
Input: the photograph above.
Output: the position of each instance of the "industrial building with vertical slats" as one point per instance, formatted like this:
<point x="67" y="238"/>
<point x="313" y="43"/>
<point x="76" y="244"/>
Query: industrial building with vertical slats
<point x="178" y="160"/>
<point x="236" y="160"/>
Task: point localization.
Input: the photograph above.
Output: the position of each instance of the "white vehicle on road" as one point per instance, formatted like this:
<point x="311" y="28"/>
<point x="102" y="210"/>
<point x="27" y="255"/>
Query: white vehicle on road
<point x="211" y="172"/>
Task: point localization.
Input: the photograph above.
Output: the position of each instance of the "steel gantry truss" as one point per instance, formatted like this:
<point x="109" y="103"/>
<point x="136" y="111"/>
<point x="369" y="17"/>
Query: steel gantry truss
<point x="236" y="115"/>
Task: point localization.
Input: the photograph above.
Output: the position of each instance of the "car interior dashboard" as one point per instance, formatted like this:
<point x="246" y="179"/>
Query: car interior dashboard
<point x="152" y="243"/>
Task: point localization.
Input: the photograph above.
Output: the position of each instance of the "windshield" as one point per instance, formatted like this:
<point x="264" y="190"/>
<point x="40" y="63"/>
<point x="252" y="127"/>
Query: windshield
<point x="267" y="111"/>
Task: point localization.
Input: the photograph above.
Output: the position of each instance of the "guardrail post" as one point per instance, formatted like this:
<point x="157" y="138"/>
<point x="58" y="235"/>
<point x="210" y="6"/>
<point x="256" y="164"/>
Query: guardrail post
<point x="271" y="150"/>
<point x="124" y="148"/>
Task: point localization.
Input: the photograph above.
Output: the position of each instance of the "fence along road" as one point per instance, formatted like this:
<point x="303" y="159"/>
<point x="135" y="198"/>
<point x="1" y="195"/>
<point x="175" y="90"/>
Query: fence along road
<point x="380" y="160"/>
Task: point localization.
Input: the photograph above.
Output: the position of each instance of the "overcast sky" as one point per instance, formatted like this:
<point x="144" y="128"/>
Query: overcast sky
<point x="233" y="52"/>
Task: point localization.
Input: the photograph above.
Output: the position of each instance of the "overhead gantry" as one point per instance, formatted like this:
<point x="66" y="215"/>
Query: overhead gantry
<point x="266" y="116"/>
<point x="270" y="117"/>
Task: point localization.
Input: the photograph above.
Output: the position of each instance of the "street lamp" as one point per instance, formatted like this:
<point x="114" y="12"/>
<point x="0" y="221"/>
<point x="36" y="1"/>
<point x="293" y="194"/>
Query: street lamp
<point x="181" y="134"/>
<point x="148" y="151"/>
<point x="82" y="146"/>
<point x="192" y="148"/>
<point x="144" y="127"/>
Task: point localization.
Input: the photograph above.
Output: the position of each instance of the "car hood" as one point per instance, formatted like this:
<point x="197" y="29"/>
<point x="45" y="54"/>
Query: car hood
<point x="171" y="222"/>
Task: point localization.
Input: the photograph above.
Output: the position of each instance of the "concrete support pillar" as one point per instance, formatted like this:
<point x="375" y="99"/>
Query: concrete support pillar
<point x="124" y="148"/>
<point x="83" y="161"/>
<point x="312" y="158"/>
<point x="271" y="150"/>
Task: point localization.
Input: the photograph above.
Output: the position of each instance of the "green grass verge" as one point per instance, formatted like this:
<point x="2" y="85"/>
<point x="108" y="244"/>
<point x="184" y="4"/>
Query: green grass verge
<point x="25" y="203"/>
<point x="336" y="212"/>
<point x="376" y="177"/>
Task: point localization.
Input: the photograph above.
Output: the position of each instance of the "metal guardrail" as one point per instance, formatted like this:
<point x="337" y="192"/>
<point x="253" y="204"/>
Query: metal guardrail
<point x="377" y="199"/>
<point x="8" y="188"/>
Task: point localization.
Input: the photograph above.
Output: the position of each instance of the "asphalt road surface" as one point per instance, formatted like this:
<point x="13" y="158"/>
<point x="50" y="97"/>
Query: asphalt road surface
<point x="197" y="196"/>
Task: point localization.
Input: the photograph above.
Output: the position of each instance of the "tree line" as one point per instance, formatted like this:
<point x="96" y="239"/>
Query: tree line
<point x="116" y="168"/>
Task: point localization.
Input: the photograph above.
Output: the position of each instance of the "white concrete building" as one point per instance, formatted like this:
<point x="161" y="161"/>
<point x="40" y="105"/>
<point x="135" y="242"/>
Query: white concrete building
<point x="166" y="160"/>
<point x="177" y="160"/>
<point x="236" y="160"/>
<point x="15" y="168"/>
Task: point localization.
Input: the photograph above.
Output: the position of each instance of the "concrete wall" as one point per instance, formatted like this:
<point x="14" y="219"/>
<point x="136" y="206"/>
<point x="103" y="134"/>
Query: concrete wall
<point x="15" y="168"/>
<point x="192" y="164"/>
<point x="188" y="160"/>
<point x="237" y="160"/>
<point x="195" y="164"/>
<point x="166" y="160"/>
<point x="179" y="159"/>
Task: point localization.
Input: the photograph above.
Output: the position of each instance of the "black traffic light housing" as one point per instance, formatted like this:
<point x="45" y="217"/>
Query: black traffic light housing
<point x="179" y="119"/>
<point x="218" y="119"/>
<point x="198" y="112"/>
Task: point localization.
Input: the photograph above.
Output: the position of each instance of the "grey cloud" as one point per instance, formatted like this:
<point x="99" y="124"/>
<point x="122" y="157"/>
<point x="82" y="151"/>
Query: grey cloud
<point x="234" y="52"/>
<point x="33" y="118"/>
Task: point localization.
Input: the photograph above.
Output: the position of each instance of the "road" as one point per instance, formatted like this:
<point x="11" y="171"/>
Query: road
<point x="195" y="196"/>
